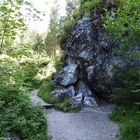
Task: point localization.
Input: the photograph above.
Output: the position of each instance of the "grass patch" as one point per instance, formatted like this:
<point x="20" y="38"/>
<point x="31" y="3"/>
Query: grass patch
<point x="128" y="116"/>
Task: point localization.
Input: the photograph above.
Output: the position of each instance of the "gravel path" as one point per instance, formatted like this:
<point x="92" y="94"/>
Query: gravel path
<point x="87" y="124"/>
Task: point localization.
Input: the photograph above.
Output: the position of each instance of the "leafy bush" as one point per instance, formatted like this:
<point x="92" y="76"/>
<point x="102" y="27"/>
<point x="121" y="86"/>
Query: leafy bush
<point x="19" y="116"/>
<point x="123" y="26"/>
<point x="77" y="14"/>
<point x="58" y="61"/>
<point x="89" y="5"/>
<point x="129" y="119"/>
<point x="129" y="90"/>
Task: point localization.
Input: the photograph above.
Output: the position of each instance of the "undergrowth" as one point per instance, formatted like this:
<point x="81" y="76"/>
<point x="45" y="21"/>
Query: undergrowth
<point x="123" y="26"/>
<point x="17" y="115"/>
<point x="20" y="117"/>
<point x="128" y="116"/>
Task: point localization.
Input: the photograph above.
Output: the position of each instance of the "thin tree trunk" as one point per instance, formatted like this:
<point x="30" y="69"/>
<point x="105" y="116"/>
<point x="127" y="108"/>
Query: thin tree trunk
<point x="4" y="32"/>
<point x="3" y="36"/>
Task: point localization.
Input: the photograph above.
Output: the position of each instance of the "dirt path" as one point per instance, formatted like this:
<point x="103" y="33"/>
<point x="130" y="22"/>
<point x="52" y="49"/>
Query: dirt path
<point x="87" y="124"/>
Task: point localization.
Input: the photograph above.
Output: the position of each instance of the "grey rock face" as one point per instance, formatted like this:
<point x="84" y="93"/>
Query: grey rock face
<point x="90" y="72"/>
<point x="88" y="43"/>
<point x="90" y="101"/>
<point x="62" y="93"/>
<point x="89" y="62"/>
<point x="79" y="95"/>
<point x="76" y="101"/>
<point x="59" y="94"/>
<point x="82" y="88"/>
<point x="89" y="54"/>
<point x="84" y="96"/>
<point x="71" y="91"/>
<point x="68" y="75"/>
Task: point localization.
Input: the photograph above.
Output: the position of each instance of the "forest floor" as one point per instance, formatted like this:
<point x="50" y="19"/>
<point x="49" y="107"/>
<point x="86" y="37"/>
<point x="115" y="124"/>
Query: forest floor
<point x="87" y="124"/>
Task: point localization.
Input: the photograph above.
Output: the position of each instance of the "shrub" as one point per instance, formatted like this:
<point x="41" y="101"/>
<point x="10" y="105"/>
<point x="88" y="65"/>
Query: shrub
<point x="129" y="80"/>
<point x="58" y="61"/>
<point x="89" y="5"/>
<point x="123" y="26"/>
<point x="129" y="119"/>
<point x="19" y="116"/>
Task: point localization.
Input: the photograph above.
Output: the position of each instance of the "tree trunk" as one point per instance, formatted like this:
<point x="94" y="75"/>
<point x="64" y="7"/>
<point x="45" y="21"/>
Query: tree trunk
<point x="3" y="36"/>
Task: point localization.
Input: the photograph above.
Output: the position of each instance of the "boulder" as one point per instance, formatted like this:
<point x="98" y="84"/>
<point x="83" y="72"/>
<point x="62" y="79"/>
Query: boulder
<point x="90" y="57"/>
<point x="84" y="96"/>
<point x="62" y="93"/>
<point x="89" y="44"/>
<point x="67" y="76"/>
<point x="83" y="89"/>
<point x="90" y="102"/>
<point x="79" y="95"/>
<point x="76" y="101"/>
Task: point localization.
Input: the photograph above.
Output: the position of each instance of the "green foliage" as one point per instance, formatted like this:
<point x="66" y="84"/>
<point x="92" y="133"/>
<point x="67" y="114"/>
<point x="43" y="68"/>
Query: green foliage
<point x="58" y="61"/>
<point x="77" y="13"/>
<point x="20" y="74"/>
<point x="51" y="40"/>
<point x="45" y="94"/>
<point x="129" y="90"/>
<point x="37" y="42"/>
<point x="123" y="26"/>
<point x="129" y="119"/>
<point x="20" y="50"/>
<point x="59" y="28"/>
<point x="19" y="116"/>
<point x="17" y="76"/>
<point x="66" y="24"/>
<point x="89" y="5"/>
<point x="12" y="20"/>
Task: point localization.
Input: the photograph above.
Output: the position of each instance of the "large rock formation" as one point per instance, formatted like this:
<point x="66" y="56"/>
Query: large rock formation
<point x="88" y="62"/>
